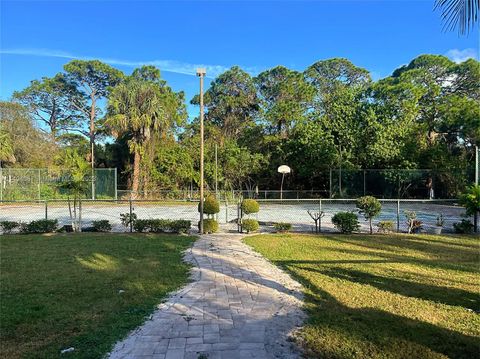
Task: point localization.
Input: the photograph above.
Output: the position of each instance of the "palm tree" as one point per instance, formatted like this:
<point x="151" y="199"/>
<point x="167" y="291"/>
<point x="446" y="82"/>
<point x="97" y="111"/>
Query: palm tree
<point x="460" y="14"/>
<point x="135" y="109"/>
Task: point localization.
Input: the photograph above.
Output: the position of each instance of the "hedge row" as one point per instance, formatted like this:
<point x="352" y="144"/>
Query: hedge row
<point x="162" y="225"/>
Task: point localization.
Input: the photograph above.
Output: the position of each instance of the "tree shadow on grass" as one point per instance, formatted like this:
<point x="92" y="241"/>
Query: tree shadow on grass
<point x="441" y="251"/>
<point x="380" y="333"/>
<point x="452" y="260"/>
<point x="445" y="295"/>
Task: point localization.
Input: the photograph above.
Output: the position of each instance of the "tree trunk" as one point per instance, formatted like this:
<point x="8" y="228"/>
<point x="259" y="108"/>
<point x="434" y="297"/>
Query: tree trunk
<point x="92" y="142"/>
<point x="92" y="130"/>
<point x="136" y="173"/>
<point x="371" y="230"/>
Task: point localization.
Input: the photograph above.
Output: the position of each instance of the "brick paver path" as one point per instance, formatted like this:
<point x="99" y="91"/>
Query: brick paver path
<point x="237" y="306"/>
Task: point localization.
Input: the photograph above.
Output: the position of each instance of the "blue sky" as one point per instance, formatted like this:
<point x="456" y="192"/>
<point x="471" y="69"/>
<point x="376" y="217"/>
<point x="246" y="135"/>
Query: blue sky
<point x="39" y="37"/>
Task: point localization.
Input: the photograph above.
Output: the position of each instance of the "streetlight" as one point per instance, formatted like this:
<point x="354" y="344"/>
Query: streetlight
<point x="283" y="169"/>
<point x="201" y="72"/>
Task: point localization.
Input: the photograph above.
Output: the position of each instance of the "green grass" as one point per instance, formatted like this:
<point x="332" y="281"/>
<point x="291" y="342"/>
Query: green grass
<point x="377" y="296"/>
<point x="62" y="291"/>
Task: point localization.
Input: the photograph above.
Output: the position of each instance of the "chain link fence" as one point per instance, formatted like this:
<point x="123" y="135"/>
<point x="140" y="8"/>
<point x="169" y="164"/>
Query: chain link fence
<point x="23" y="184"/>
<point x="291" y="211"/>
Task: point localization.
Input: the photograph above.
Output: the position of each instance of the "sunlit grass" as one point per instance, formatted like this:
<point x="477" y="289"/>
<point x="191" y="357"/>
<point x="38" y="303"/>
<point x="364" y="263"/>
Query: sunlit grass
<point x="379" y="296"/>
<point x="84" y="291"/>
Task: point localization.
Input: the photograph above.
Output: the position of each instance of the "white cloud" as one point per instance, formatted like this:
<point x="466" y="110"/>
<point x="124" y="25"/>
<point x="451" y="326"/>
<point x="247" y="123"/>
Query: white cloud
<point x="164" y="65"/>
<point x="458" y="56"/>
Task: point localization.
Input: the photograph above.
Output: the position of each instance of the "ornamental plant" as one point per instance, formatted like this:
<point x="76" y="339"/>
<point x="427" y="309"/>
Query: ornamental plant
<point x="209" y="226"/>
<point x="250" y="206"/>
<point x="471" y="201"/>
<point x="250" y="225"/>
<point x="346" y="222"/>
<point x="370" y="207"/>
<point x="210" y="206"/>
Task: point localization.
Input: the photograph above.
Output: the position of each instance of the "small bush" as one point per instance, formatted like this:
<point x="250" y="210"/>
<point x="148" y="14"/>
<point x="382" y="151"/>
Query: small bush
<point x="346" y="222"/>
<point x="210" y="206"/>
<point x="250" y="225"/>
<point x="413" y="224"/>
<point x="209" y="226"/>
<point x="102" y="225"/>
<point x="141" y="225"/>
<point x="282" y="226"/>
<point x="250" y="206"/>
<point x="385" y="226"/>
<point x="470" y="199"/>
<point x="8" y="226"/>
<point x="463" y="227"/>
<point x="370" y="207"/>
<point x="127" y="218"/>
<point x="158" y="225"/>
<point x="180" y="226"/>
<point x="40" y="226"/>
<point x="162" y="225"/>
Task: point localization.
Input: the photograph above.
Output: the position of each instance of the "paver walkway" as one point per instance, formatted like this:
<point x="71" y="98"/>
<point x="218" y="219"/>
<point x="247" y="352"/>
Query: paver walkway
<point x="237" y="306"/>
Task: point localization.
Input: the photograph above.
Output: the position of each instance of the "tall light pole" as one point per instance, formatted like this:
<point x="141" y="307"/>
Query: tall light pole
<point x="201" y="72"/>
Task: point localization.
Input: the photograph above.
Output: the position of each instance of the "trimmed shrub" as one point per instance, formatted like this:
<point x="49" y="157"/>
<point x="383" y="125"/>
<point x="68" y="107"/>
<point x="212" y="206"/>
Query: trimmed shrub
<point x="370" y="207"/>
<point x="158" y="225"/>
<point x="463" y="227"/>
<point x="8" y="226"/>
<point x="385" y="226"/>
<point x="250" y="206"/>
<point x="209" y="226"/>
<point x="283" y="226"/>
<point x="102" y="225"/>
<point x="180" y="226"/>
<point x="162" y="225"/>
<point x="250" y="225"/>
<point x="210" y="205"/>
<point x="40" y="226"/>
<point x="346" y="222"/>
<point x="141" y="225"/>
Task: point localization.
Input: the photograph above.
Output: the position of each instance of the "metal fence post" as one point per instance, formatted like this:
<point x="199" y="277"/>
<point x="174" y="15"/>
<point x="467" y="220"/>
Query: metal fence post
<point x="239" y="217"/>
<point x="79" y="214"/>
<point x="226" y="209"/>
<point x="330" y="182"/>
<point x="46" y="209"/>
<point x="116" y="184"/>
<point x="39" y="185"/>
<point x="131" y="212"/>
<point x="398" y="215"/>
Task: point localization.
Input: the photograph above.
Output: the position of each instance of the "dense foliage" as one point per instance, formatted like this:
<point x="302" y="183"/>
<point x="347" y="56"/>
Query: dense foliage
<point x="211" y="205"/>
<point x="250" y="206"/>
<point x="209" y="226"/>
<point x="370" y="207"/>
<point x="346" y="222"/>
<point x="332" y="115"/>
<point x="161" y="225"/>
<point x="250" y="225"/>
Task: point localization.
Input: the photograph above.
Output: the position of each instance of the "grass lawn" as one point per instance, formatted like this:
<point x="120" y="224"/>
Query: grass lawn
<point x="62" y="291"/>
<point x="381" y="296"/>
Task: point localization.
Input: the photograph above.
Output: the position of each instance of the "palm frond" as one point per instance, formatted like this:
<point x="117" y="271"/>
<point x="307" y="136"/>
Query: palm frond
<point x="458" y="14"/>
